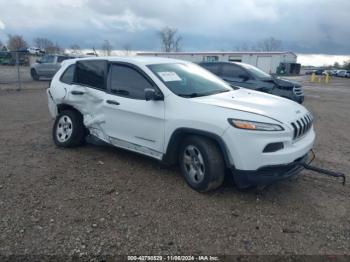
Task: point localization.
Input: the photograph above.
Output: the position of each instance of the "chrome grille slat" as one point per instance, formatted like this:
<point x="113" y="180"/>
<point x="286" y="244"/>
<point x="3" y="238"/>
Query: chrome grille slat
<point x="301" y="125"/>
<point x="303" y="129"/>
<point x="298" y="91"/>
<point x="299" y="129"/>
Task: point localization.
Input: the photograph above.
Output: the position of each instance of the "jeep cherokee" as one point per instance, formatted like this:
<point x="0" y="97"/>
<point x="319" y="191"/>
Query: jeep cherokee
<point x="179" y="113"/>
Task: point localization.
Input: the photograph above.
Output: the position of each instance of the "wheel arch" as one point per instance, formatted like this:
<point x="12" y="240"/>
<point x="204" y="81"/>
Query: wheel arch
<point x="171" y="155"/>
<point x="62" y="107"/>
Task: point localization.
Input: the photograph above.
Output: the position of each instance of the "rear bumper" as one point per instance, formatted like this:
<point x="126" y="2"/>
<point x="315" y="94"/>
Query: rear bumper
<point x="267" y="175"/>
<point x="51" y="104"/>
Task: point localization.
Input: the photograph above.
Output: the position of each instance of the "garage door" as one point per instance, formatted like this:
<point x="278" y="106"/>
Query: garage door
<point x="264" y="63"/>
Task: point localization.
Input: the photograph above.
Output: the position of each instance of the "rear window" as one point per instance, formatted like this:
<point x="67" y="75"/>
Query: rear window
<point x="68" y="75"/>
<point x="212" y="67"/>
<point x="91" y="73"/>
<point x="62" y="58"/>
<point x="233" y="71"/>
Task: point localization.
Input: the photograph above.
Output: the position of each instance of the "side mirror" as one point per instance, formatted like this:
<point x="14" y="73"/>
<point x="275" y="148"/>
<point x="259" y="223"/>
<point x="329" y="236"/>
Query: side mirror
<point x="152" y="94"/>
<point x="38" y="61"/>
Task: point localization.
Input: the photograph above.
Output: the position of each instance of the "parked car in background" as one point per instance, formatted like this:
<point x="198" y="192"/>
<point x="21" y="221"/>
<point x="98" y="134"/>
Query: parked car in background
<point x="310" y="72"/>
<point x="47" y="66"/>
<point x="5" y="58"/>
<point x="178" y="113"/>
<point x="35" y="51"/>
<point x="329" y="72"/>
<point x="251" y="77"/>
<point x="319" y="72"/>
<point x="341" y="73"/>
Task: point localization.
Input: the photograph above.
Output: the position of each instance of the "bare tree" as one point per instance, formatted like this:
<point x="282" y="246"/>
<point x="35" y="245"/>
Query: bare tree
<point x="16" y="42"/>
<point x="75" y="49"/>
<point x="269" y="44"/>
<point x="42" y="43"/>
<point x="1" y="44"/>
<point x="170" y="39"/>
<point x="107" y="48"/>
<point x="127" y="49"/>
<point x="47" y="45"/>
<point x="54" y="49"/>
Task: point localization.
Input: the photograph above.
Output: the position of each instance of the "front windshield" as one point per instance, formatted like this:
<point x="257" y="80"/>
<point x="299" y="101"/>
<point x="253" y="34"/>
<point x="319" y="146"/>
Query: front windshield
<point x="256" y="71"/>
<point x="189" y="80"/>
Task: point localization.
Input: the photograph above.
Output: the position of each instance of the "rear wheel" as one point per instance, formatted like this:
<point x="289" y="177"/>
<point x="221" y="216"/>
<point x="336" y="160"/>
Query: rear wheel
<point x="68" y="129"/>
<point x="201" y="163"/>
<point x="34" y="75"/>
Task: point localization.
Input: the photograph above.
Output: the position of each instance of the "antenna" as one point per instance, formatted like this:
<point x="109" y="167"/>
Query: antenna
<point x="93" y="48"/>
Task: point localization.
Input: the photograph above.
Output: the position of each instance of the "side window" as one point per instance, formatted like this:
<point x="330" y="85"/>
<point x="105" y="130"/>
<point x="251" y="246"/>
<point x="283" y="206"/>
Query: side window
<point x="68" y="75"/>
<point x="91" y="73"/>
<point x="232" y="71"/>
<point x="126" y="81"/>
<point x="212" y="67"/>
<point x="47" y="59"/>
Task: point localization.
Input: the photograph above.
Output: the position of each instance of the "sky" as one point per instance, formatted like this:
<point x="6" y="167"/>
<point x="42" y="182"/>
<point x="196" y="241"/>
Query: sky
<point x="304" y="27"/>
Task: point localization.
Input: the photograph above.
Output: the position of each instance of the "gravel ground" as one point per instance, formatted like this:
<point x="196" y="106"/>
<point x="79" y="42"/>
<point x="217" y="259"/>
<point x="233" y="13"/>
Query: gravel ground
<point x="101" y="200"/>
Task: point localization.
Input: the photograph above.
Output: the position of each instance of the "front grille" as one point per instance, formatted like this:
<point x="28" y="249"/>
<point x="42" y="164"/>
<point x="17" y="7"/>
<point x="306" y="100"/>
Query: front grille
<point x="302" y="125"/>
<point x="298" y="91"/>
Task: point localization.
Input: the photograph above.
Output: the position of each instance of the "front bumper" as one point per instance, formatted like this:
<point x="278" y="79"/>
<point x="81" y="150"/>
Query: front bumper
<point x="299" y="99"/>
<point x="267" y="175"/>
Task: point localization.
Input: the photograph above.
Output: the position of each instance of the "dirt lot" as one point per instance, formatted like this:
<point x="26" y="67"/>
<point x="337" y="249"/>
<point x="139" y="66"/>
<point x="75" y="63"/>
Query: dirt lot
<point x="100" y="200"/>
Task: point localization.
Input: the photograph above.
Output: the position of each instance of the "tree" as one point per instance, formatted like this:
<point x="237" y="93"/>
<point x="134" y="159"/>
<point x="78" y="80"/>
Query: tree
<point x="47" y="45"/>
<point x="16" y="42"/>
<point x="170" y="39"/>
<point x="346" y="65"/>
<point x="269" y="44"/>
<point x="336" y="65"/>
<point x="1" y="44"/>
<point x="54" y="49"/>
<point x="127" y="49"/>
<point x="75" y="49"/>
<point x="42" y="43"/>
<point x="107" y="48"/>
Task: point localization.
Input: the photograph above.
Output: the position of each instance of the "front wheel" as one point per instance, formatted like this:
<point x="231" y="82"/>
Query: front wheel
<point x="68" y="129"/>
<point x="201" y="163"/>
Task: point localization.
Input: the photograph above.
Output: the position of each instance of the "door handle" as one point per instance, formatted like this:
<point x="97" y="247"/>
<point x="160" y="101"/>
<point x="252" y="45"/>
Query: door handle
<point x="113" y="102"/>
<point x="77" y="93"/>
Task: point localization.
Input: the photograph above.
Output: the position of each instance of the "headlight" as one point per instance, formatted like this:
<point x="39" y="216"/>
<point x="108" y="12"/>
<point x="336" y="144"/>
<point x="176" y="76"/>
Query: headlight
<point x="252" y="125"/>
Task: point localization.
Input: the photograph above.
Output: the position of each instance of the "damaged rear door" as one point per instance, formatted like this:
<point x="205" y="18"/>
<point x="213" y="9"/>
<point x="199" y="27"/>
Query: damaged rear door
<point x="87" y="93"/>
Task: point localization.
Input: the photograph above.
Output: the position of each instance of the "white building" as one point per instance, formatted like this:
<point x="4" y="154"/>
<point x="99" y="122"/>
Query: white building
<point x="267" y="61"/>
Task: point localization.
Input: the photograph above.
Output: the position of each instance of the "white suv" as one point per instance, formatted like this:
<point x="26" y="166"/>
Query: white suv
<point x="178" y="112"/>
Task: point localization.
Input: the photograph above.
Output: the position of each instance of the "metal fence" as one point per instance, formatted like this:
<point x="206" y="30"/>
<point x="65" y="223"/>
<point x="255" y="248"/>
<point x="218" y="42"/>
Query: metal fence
<point x="15" y="69"/>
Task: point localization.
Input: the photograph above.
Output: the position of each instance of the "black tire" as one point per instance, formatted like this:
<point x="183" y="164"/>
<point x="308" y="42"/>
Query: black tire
<point x="34" y="75"/>
<point x="75" y="133"/>
<point x="213" y="170"/>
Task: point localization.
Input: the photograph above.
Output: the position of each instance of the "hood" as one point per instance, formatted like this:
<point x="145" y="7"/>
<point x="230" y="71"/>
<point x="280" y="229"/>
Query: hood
<point x="284" y="82"/>
<point x="275" y="107"/>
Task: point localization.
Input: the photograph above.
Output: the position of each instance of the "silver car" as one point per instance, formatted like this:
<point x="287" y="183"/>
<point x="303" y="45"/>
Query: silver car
<point x="47" y="66"/>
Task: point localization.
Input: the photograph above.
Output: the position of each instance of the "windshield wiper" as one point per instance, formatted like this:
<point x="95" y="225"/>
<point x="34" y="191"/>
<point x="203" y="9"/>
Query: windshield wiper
<point x="192" y="95"/>
<point x="189" y="95"/>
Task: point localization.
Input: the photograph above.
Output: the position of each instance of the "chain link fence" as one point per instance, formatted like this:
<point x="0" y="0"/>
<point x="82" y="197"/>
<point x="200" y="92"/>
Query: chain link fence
<point x="15" y="70"/>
